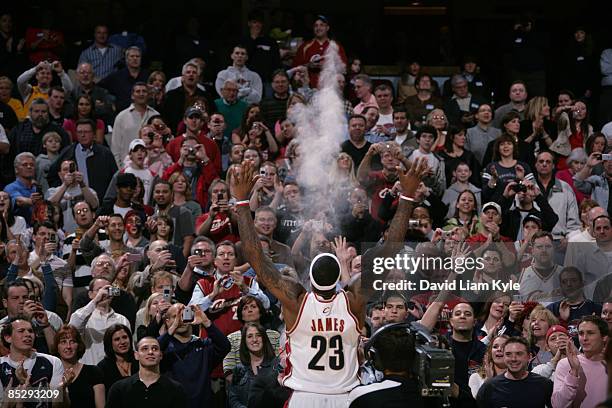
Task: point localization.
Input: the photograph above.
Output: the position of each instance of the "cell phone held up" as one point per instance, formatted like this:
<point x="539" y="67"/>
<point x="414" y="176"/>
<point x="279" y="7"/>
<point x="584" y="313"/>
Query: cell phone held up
<point x="188" y="315"/>
<point x="167" y="294"/>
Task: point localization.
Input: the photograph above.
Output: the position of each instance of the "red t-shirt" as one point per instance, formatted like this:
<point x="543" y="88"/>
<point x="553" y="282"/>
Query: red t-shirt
<point x="314" y="50"/>
<point x="212" y="150"/>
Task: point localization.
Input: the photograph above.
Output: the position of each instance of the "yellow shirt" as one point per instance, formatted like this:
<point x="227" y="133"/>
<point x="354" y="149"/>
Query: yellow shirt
<point x="35" y="94"/>
<point x="17" y="106"/>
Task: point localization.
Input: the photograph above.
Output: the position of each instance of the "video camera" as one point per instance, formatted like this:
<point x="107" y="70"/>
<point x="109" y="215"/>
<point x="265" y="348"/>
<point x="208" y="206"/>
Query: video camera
<point x="433" y="366"/>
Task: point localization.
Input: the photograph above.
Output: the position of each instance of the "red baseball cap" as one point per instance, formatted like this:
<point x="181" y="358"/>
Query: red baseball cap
<point x="556" y="329"/>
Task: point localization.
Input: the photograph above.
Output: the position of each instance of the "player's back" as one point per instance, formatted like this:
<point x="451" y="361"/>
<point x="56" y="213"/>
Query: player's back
<point x="322" y="346"/>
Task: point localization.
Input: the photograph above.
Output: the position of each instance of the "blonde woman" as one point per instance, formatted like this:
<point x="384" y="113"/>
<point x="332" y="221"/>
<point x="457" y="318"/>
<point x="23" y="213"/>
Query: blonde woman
<point x="492" y="365"/>
<point x="149" y="319"/>
<point x="181" y="189"/>
<point x="437" y="118"/>
<point x="537" y="126"/>
<point x="540" y="320"/>
<point x="343" y="172"/>
<point x="157" y="88"/>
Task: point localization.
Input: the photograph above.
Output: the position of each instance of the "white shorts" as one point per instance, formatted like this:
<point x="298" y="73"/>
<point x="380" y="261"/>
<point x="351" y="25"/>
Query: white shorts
<point x="301" y="399"/>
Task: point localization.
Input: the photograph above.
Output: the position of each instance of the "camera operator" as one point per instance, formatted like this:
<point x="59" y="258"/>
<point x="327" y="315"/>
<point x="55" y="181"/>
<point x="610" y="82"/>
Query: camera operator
<point x="392" y="351"/>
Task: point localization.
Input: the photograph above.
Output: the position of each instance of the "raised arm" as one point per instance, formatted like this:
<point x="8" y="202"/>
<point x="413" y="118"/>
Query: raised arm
<point x="287" y="291"/>
<point x="409" y="181"/>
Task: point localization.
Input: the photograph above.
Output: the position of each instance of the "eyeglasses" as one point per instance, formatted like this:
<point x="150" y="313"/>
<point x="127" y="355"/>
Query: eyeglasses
<point x="439" y="117"/>
<point x="103" y="263"/>
<point x="81" y="211"/>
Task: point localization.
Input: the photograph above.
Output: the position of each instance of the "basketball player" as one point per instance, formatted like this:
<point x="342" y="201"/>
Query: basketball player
<point x="323" y="326"/>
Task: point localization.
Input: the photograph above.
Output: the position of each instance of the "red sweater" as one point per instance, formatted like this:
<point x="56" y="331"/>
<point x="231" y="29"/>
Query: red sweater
<point x="313" y="49"/>
<point x="212" y="150"/>
<point x="208" y="173"/>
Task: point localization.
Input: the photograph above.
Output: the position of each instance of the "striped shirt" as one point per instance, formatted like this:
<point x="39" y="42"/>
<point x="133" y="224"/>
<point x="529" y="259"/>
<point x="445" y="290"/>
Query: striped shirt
<point x="103" y="63"/>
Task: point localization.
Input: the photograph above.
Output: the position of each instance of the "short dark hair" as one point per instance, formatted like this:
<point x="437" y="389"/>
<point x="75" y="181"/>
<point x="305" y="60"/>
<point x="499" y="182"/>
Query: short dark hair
<point x="86" y="122"/>
<point x="17" y="283"/>
<point x="395" y="350"/>
<point x="145" y="338"/>
<point x="7" y="328"/>
<point x="383" y="87"/>
<point x="357" y="116"/>
<point x="57" y="88"/>
<point x="227" y="242"/>
<point x="280" y="72"/>
<point x="571" y="269"/>
<point x="139" y="83"/>
<point x="601" y="324"/>
<point x="519" y="340"/>
<point x="400" y="109"/>
<point x="39" y="225"/>
<point x="247" y="299"/>
<point x="426" y="129"/>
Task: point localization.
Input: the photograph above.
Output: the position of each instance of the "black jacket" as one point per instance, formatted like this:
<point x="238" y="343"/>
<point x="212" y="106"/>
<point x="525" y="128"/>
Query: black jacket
<point x="174" y="106"/>
<point x="101" y="167"/>
<point x="454" y="113"/>
<point x="511" y="224"/>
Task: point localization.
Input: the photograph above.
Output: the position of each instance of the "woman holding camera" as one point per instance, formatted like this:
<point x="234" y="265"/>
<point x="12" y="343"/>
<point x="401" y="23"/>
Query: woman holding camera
<point x="504" y="168"/>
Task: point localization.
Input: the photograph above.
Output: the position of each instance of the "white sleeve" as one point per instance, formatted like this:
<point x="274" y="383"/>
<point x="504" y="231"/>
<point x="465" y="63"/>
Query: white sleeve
<point x="58" y="373"/>
<point x="3" y="137"/>
<point x="254" y="290"/>
<point x="22" y="83"/>
<point x="198" y="298"/>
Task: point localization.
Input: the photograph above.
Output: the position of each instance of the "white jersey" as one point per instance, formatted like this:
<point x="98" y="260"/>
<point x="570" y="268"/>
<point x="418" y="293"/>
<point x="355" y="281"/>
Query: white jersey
<point x="531" y="283"/>
<point x="322" y="347"/>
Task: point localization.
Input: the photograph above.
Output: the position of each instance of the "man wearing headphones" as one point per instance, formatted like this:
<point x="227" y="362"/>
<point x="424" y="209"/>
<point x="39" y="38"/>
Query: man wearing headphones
<point x="392" y="351"/>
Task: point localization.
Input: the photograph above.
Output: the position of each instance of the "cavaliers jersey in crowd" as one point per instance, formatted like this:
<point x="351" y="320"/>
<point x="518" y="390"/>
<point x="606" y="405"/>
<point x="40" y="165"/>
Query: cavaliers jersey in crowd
<point x="322" y="347"/>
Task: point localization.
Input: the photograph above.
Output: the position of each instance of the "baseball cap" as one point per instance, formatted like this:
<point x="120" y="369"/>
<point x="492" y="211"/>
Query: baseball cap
<point x="493" y="205"/>
<point x="193" y="111"/>
<point x="556" y="329"/>
<point x="135" y="143"/>
<point x="534" y="218"/>
<point x="322" y="18"/>
<point x="126" y="180"/>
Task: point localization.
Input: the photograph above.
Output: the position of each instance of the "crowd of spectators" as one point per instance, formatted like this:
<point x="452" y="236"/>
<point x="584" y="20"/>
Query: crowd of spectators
<point x="121" y="259"/>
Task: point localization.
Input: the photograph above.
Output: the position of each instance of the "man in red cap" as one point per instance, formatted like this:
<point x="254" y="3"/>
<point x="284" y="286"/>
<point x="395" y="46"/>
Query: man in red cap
<point x="557" y="338"/>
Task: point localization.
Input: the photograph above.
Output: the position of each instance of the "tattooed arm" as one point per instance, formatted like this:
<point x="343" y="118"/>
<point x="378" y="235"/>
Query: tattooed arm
<point x="289" y="292"/>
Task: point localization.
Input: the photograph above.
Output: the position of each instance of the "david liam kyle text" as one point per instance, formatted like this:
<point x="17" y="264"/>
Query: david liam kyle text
<point x="495" y="285"/>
